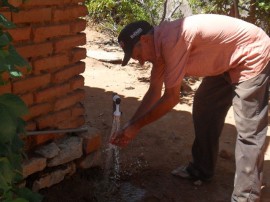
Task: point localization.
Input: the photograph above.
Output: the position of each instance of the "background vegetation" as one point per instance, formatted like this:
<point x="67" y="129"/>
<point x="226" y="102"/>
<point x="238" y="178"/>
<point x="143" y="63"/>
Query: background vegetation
<point x="114" y="14"/>
<point x="254" y="11"/>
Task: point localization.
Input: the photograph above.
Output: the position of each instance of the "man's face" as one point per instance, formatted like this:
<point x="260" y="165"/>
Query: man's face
<point x="137" y="53"/>
<point x="144" y="50"/>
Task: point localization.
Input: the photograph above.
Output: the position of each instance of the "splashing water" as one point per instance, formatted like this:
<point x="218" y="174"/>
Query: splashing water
<point x="111" y="187"/>
<point x="112" y="169"/>
<point x="127" y="192"/>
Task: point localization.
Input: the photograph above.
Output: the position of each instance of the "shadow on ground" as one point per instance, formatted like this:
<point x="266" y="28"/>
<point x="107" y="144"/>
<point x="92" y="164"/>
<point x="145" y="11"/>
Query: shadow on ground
<point x="147" y="162"/>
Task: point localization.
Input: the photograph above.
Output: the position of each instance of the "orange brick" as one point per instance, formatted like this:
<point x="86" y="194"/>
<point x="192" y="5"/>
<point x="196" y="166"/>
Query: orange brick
<point x="45" y="3"/>
<point x="31" y="83"/>
<point x="70" y="13"/>
<point x="20" y="33"/>
<point x="52" y="92"/>
<point x="70" y="42"/>
<point x="42" y="139"/>
<point x="49" y="31"/>
<point x="28" y="98"/>
<point x="78" y="1"/>
<point x="77" y="110"/>
<point x="75" y="122"/>
<point x="31" y="126"/>
<point x="5" y="88"/>
<point x="6" y="14"/>
<point x="91" y="144"/>
<point x="15" y="3"/>
<point x="78" y="26"/>
<point x="69" y="72"/>
<point x="32" y="15"/>
<point x="69" y="100"/>
<point x="34" y="50"/>
<point x="5" y="76"/>
<point x="28" y="143"/>
<point x="37" y="110"/>
<point x="77" y="82"/>
<point x="78" y="54"/>
<point x="49" y="63"/>
<point x="51" y="120"/>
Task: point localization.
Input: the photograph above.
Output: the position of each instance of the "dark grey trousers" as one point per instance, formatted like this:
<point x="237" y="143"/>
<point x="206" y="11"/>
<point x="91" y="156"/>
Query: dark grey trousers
<point x="249" y="99"/>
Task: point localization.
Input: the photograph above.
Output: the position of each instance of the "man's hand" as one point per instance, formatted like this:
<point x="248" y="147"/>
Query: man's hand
<point x="123" y="137"/>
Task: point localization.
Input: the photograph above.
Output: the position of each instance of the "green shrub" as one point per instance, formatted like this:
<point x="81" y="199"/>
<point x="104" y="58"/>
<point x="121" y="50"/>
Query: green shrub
<point x="114" y="14"/>
<point x="256" y="12"/>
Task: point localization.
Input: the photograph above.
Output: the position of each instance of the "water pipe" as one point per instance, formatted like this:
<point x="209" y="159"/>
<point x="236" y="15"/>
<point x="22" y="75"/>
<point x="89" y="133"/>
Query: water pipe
<point x="69" y="130"/>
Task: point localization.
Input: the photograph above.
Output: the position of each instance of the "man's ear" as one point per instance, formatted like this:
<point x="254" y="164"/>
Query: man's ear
<point x="145" y="38"/>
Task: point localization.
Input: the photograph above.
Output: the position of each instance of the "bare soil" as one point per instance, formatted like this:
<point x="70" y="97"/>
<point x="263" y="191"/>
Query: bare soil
<point x="146" y="164"/>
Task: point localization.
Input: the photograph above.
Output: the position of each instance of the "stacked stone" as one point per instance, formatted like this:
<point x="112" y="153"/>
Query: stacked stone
<point x="54" y="161"/>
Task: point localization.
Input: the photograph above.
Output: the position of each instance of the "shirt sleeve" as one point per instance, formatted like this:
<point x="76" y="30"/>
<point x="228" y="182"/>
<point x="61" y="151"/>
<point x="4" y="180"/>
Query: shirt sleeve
<point x="175" y="55"/>
<point x="157" y="73"/>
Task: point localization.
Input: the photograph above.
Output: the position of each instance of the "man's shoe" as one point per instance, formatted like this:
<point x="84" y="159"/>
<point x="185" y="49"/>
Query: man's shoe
<point x="189" y="172"/>
<point x="182" y="172"/>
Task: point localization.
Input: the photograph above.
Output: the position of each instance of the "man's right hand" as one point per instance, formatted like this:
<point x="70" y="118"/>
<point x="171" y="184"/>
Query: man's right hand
<point x="124" y="136"/>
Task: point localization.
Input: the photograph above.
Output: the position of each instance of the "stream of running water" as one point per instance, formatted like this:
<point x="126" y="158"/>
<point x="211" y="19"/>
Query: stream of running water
<point x="112" y="168"/>
<point x="126" y="191"/>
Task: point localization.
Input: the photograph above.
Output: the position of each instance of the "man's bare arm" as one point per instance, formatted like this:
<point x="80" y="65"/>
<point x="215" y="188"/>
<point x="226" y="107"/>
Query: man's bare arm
<point x="160" y="108"/>
<point x="150" y="98"/>
<point x="154" y="92"/>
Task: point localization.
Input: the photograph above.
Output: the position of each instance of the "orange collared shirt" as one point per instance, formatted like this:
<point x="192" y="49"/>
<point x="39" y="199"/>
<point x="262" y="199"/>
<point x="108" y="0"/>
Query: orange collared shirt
<point x="208" y="45"/>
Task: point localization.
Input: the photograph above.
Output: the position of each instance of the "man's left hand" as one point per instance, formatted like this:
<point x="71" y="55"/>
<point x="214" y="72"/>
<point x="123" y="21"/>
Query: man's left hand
<point x="123" y="137"/>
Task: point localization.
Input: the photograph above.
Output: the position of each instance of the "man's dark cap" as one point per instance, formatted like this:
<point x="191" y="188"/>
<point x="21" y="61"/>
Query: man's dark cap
<point x="130" y="35"/>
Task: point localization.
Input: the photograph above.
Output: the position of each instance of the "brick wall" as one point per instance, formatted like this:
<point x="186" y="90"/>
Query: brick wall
<point x="49" y="34"/>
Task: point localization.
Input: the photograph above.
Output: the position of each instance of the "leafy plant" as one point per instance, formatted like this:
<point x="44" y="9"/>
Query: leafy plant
<point x="114" y="14"/>
<point x="12" y="108"/>
<point x="256" y="12"/>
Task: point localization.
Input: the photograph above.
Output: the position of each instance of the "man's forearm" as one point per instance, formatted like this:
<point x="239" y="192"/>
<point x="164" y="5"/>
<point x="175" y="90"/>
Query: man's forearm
<point x="150" y="98"/>
<point x="160" y="108"/>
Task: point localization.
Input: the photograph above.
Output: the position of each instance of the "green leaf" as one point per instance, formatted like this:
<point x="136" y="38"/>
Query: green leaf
<point x="11" y="7"/>
<point x="5" y="39"/>
<point x="7" y="196"/>
<point x="15" y="59"/>
<point x="21" y="126"/>
<point x="29" y="195"/>
<point x="15" y="73"/>
<point x="16" y="200"/>
<point x="15" y="160"/>
<point x="7" y="125"/>
<point x="4" y="186"/>
<point x="6" y="23"/>
<point x="11" y="107"/>
<point x="14" y="104"/>
<point x="3" y="149"/>
<point x="3" y="53"/>
<point x="7" y="173"/>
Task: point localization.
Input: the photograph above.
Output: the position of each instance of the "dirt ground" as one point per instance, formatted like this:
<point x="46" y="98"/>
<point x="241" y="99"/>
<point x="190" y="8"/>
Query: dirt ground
<point x="146" y="164"/>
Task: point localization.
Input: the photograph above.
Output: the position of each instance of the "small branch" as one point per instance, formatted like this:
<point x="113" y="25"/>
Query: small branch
<point x="236" y="11"/>
<point x="164" y="10"/>
<point x="142" y="3"/>
<point x="173" y="11"/>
